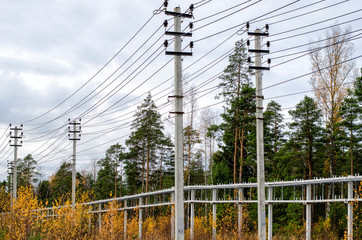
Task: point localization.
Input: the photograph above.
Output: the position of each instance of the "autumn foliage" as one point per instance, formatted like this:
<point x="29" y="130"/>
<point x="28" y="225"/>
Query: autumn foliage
<point x="23" y="220"/>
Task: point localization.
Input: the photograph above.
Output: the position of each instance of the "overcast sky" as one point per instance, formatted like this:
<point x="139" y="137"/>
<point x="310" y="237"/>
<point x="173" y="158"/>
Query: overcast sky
<point x="50" y="49"/>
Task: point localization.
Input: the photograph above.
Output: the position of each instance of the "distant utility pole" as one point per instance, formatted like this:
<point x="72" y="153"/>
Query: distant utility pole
<point x="74" y="135"/>
<point x="259" y="126"/>
<point x="16" y="137"/>
<point x="10" y="172"/>
<point x="179" y="168"/>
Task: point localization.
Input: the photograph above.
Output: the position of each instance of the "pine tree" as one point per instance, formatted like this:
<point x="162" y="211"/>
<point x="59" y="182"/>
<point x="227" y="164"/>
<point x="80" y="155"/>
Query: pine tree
<point x="144" y="144"/>
<point x="27" y="174"/>
<point x="238" y="127"/>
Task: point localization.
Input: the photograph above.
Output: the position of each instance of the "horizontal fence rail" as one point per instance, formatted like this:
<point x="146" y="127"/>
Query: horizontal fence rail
<point x="307" y="192"/>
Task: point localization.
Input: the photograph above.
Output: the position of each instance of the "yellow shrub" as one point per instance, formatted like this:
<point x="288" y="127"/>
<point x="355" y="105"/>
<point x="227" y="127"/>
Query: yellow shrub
<point x="21" y="221"/>
<point x="112" y="223"/>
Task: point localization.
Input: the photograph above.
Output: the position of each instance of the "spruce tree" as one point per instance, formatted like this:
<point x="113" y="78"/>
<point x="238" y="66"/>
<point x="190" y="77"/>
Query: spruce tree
<point x="273" y="138"/>
<point x="61" y="182"/>
<point x="306" y="135"/>
<point x="107" y="181"/>
<point x="351" y="115"/>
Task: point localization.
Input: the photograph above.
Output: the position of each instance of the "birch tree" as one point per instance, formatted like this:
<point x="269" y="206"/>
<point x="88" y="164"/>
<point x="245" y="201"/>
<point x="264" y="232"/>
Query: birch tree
<point x="332" y="68"/>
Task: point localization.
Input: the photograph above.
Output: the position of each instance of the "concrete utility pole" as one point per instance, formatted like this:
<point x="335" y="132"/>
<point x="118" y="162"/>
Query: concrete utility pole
<point x="16" y="144"/>
<point x="260" y="130"/>
<point x="74" y="130"/>
<point x="179" y="168"/>
<point x="10" y="172"/>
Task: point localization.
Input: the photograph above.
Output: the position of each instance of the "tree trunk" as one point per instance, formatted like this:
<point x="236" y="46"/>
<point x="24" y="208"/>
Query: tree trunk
<point x="241" y="152"/>
<point x="143" y="171"/>
<point x="235" y="152"/>
<point x="161" y="170"/>
<point x="148" y="166"/>
<point x="351" y="149"/>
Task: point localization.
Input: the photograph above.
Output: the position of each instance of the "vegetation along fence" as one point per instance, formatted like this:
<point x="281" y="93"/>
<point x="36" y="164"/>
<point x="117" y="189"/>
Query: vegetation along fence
<point x="306" y="192"/>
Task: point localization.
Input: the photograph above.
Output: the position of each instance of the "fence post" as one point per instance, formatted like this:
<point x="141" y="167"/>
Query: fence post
<point x="173" y="215"/>
<point x="125" y="220"/>
<point x="192" y="214"/>
<point x="214" y="199"/>
<point x="350" y="211"/>
<point x="240" y="212"/>
<point x="270" y="213"/>
<point x="99" y="217"/>
<point x="89" y="218"/>
<point x="140" y="218"/>
<point x="308" y="227"/>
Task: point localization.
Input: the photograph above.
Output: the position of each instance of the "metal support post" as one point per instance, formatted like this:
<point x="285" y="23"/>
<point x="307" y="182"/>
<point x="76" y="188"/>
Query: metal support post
<point x="192" y="214"/>
<point x="308" y="222"/>
<point x="350" y="211"/>
<point x="214" y="199"/>
<point x="270" y="213"/>
<point x="125" y="219"/>
<point x="240" y="212"/>
<point x="140" y="218"/>
<point x="173" y="215"/>
<point x="89" y="218"/>
<point x="99" y="217"/>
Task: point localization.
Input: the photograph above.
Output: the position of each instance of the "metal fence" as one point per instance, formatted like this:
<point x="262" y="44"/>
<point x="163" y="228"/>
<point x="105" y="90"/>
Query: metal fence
<point x="306" y="192"/>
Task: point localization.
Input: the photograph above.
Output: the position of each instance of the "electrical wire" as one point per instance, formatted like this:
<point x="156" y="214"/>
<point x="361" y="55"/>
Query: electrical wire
<point x="101" y="69"/>
<point x="309" y="12"/>
<point x="228" y="9"/>
<point x="306" y="74"/>
<point x="312" y="24"/>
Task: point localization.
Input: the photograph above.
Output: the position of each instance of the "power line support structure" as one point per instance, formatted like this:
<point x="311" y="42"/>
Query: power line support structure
<point x="259" y="128"/>
<point x="16" y="137"/>
<point x="179" y="174"/>
<point x="10" y="172"/>
<point x="74" y="135"/>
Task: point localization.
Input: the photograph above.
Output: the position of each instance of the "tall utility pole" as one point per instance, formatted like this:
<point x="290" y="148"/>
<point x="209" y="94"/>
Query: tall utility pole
<point x="259" y="128"/>
<point x="16" y="144"/>
<point x="179" y="168"/>
<point x="74" y="135"/>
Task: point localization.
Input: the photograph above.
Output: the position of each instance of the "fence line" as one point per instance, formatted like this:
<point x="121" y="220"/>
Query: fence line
<point x="307" y="192"/>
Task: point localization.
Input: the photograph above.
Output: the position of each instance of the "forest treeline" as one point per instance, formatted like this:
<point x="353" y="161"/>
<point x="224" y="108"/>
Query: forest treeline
<point x="322" y="138"/>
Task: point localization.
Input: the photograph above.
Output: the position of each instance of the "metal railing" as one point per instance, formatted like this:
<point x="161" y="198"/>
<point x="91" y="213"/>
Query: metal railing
<point x="307" y="192"/>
